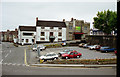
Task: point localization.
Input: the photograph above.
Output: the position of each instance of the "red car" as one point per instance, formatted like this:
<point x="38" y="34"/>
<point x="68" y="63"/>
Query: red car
<point x="71" y="54"/>
<point x="115" y="52"/>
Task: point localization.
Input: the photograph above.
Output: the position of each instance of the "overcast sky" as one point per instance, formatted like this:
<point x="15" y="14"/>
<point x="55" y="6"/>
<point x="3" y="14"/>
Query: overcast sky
<point x="15" y="13"/>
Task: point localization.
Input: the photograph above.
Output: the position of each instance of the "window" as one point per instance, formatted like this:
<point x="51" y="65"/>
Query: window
<point x="42" y="27"/>
<point x="51" y="27"/>
<point x="71" y="53"/>
<point x="60" y="34"/>
<point x="75" y="53"/>
<point x="32" y="40"/>
<point x="85" y="28"/>
<point x="22" y="40"/>
<point x="60" y="28"/>
<point x="42" y="33"/>
<point x="51" y="33"/>
<point x="42" y="38"/>
<point x="27" y="34"/>
<point x="70" y="27"/>
<point x="70" y="32"/>
<point x="26" y="40"/>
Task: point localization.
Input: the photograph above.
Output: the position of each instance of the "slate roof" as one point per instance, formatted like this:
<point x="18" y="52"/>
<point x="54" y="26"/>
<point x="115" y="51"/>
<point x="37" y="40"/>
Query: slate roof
<point x="50" y="23"/>
<point x="27" y="28"/>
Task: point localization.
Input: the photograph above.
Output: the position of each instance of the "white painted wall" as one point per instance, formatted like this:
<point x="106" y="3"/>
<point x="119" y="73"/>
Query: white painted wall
<point x="20" y="37"/>
<point x="47" y="33"/>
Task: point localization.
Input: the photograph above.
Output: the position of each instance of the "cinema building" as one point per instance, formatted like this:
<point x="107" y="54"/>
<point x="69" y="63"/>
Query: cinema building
<point x="49" y="31"/>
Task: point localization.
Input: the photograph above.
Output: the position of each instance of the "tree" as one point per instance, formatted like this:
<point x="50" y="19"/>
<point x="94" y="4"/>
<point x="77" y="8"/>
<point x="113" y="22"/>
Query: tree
<point x="106" y="21"/>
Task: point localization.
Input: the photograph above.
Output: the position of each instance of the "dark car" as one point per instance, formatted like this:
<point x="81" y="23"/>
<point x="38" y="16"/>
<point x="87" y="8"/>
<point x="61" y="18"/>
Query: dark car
<point x="71" y="54"/>
<point x="107" y="49"/>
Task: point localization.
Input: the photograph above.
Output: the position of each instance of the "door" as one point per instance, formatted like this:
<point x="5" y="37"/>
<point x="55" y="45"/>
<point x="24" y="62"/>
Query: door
<point x="71" y="55"/>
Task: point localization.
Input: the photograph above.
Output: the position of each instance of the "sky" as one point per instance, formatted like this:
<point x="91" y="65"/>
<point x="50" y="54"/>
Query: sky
<point x="24" y="12"/>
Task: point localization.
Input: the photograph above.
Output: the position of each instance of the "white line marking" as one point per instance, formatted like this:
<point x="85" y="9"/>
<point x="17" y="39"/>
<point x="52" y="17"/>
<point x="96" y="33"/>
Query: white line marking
<point x="4" y="63"/>
<point x="14" y="64"/>
<point x="1" y="61"/>
<point x="9" y="63"/>
<point x="10" y="51"/>
<point x="18" y="64"/>
<point x="6" y="55"/>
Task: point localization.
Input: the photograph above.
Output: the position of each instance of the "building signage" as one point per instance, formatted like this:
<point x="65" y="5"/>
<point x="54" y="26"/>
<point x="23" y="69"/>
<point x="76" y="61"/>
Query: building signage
<point x="50" y="30"/>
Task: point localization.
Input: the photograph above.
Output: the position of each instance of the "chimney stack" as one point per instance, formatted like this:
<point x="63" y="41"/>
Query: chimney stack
<point x="71" y="19"/>
<point x="36" y="19"/>
<point x="63" y="20"/>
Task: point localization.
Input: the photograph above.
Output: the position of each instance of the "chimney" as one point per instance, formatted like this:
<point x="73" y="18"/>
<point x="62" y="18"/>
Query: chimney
<point x="63" y="20"/>
<point x="71" y="19"/>
<point x="36" y="19"/>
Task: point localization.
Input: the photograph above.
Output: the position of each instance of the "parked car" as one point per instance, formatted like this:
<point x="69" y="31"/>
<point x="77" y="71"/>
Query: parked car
<point x="65" y="51"/>
<point x="107" y="49"/>
<point x="115" y="52"/>
<point x="42" y="47"/>
<point x="71" y="54"/>
<point x="49" y="56"/>
<point x="81" y="44"/>
<point x="86" y="46"/>
<point x="34" y="47"/>
<point x="94" y="47"/>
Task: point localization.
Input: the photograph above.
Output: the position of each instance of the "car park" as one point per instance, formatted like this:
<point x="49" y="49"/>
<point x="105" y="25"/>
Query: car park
<point x="65" y="51"/>
<point x="49" y="56"/>
<point x="107" y="49"/>
<point x="71" y="54"/>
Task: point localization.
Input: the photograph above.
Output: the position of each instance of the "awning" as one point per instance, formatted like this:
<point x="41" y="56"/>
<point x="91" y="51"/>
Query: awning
<point x="78" y="33"/>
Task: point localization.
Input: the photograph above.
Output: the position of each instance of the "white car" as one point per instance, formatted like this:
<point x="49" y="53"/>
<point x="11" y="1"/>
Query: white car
<point x="49" y="56"/>
<point x="93" y="47"/>
<point x="42" y="47"/>
<point x="34" y="47"/>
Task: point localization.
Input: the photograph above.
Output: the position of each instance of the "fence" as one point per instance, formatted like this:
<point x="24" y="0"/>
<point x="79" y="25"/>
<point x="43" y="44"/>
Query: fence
<point x="103" y="40"/>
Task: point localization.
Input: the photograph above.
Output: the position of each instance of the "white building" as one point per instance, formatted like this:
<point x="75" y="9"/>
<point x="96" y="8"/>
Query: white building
<point x="26" y="34"/>
<point x="47" y="31"/>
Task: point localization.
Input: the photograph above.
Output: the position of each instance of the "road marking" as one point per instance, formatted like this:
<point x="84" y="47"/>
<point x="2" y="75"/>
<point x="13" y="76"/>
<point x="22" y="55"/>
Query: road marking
<point x="6" y="55"/>
<point x="10" y="51"/>
<point x="1" y="61"/>
<point x="25" y="59"/>
<point x="14" y="64"/>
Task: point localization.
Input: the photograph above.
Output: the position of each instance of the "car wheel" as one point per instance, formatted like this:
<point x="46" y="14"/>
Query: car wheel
<point x="55" y="58"/>
<point x="66" y="57"/>
<point x="78" y="56"/>
<point x="106" y="51"/>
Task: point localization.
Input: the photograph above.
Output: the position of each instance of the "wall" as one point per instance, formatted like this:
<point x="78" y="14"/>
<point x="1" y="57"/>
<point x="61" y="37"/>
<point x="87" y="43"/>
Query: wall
<point x="102" y="40"/>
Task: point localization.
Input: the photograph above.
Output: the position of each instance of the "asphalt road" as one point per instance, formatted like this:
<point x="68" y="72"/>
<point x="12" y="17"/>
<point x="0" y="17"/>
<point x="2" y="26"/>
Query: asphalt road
<point x="13" y="64"/>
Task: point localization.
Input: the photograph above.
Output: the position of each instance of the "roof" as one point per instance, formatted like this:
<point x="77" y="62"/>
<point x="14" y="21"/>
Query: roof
<point x="50" y="23"/>
<point x="27" y="28"/>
